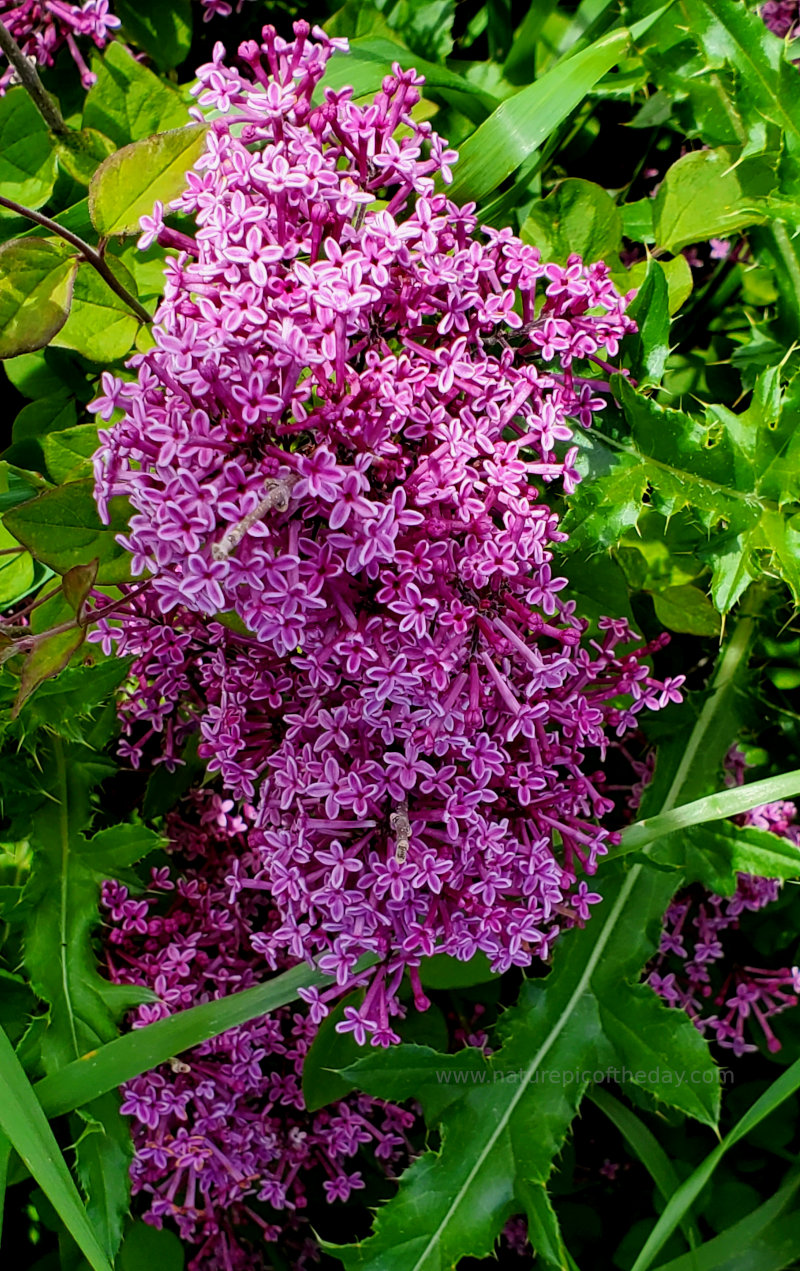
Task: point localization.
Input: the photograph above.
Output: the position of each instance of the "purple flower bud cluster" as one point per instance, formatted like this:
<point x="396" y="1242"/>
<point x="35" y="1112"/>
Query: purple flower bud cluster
<point x="782" y="17"/>
<point x="42" y="27"/>
<point x="336" y="454"/>
<point x="691" y="940"/>
<point x="224" y="1148"/>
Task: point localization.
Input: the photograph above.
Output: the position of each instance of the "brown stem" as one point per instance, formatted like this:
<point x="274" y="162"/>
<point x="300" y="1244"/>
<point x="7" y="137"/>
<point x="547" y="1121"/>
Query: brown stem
<point x="90" y="254"/>
<point x="29" y="78"/>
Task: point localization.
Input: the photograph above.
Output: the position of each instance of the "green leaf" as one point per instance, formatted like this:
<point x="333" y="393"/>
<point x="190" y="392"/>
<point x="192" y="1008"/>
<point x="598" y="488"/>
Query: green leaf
<point x="127" y="185"/>
<point x="146" y="1249"/>
<point x="578" y="216"/>
<point x="100" y="326"/>
<point x="49" y="657"/>
<point x="27" y="157"/>
<point x="706" y="194"/>
<point x="329" y="1052"/>
<point x="68" y="452"/>
<point x="519" y="125"/>
<point x="128" y="102"/>
<point x="36" y="281"/>
<point x="680" y="1202"/>
<point x="16" y="571"/>
<point x="716" y="854"/>
<point x="768" y="1239"/>
<point x="688" y="610"/>
<point x="650" y="311"/>
<point x="162" y="30"/>
<point x="24" y="1125"/>
<point x="61" y="528"/>
<point x="63" y="891"/>
<point x="125" y="1058"/>
<point x="662" y="1051"/>
<point x="445" y="972"/>
<point x="103" y="1156"/>
<point x="80" y="153"/>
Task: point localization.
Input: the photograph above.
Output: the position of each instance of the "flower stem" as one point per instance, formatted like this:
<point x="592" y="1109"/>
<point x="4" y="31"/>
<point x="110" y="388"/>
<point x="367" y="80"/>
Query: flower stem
<point x="29" y="78"/>
<point x="90" y="254"/>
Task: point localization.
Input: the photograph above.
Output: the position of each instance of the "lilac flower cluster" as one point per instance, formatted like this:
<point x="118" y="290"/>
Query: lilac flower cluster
<point x="331" y="453"/>
<point x="42" y="27"/>
<point x="692" y="933"/>
<point x="224" y="1148"/>
<point x="782" y="17"/>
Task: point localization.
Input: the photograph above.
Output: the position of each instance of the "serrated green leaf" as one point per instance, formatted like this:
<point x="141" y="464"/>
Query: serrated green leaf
<point x="61" y="528"/>
<point x="128" y="102"/>
<point x="662" y="1051"/>
<point x="36" y="281"/>
<point x="103" y="1155"/>
<point x="27" y="158"/>
<point x="100" y="326"/>
<point x="64" y="889"/>
<point x="162" y="30"/>
<point x="126" y="186"/>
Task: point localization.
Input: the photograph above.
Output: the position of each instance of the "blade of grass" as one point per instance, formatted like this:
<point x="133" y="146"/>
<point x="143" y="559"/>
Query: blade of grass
<point x="714" y="807"/>
<point x="681" y="1200"/>
<point x="24" y="1125"/>
<point x="522" y="122"/>
<point x="645" y="1145"/>
<point x="768" y="1239"/>
<point x="144" y="1048"/>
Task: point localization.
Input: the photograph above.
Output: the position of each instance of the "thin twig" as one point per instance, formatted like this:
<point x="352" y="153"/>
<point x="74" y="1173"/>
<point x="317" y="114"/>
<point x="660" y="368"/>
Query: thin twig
<point x="90" y="254"/>
<point x="29" y="78"/>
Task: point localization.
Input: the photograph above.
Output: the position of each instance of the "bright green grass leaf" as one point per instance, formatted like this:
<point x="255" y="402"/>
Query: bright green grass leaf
<point x="716" y="854"/>
<point x="716" y="807"/>
<point x="681" y="1200"/>
<point x="688" y="610"/>
<point x="162" y="30"/>
<point x="81" y="153"/>
<point x="128" y="102"/>
<point x="118" y="1061"/>
<point x="127" y="185"/>
<point x="519" y="125"/>
<point x="36" y="281"/>
<point x="27" y="157"/>
<point x="61" y="528"/>
<point x="5" y="1153"/>
<point x="706" y="194"/>
<point x="100" y="325"/>
<point x="768" y="1239"/>
<point x="25" y="1126"/>
<point x="578" y="216"/>
<point x="68" y="452"/>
